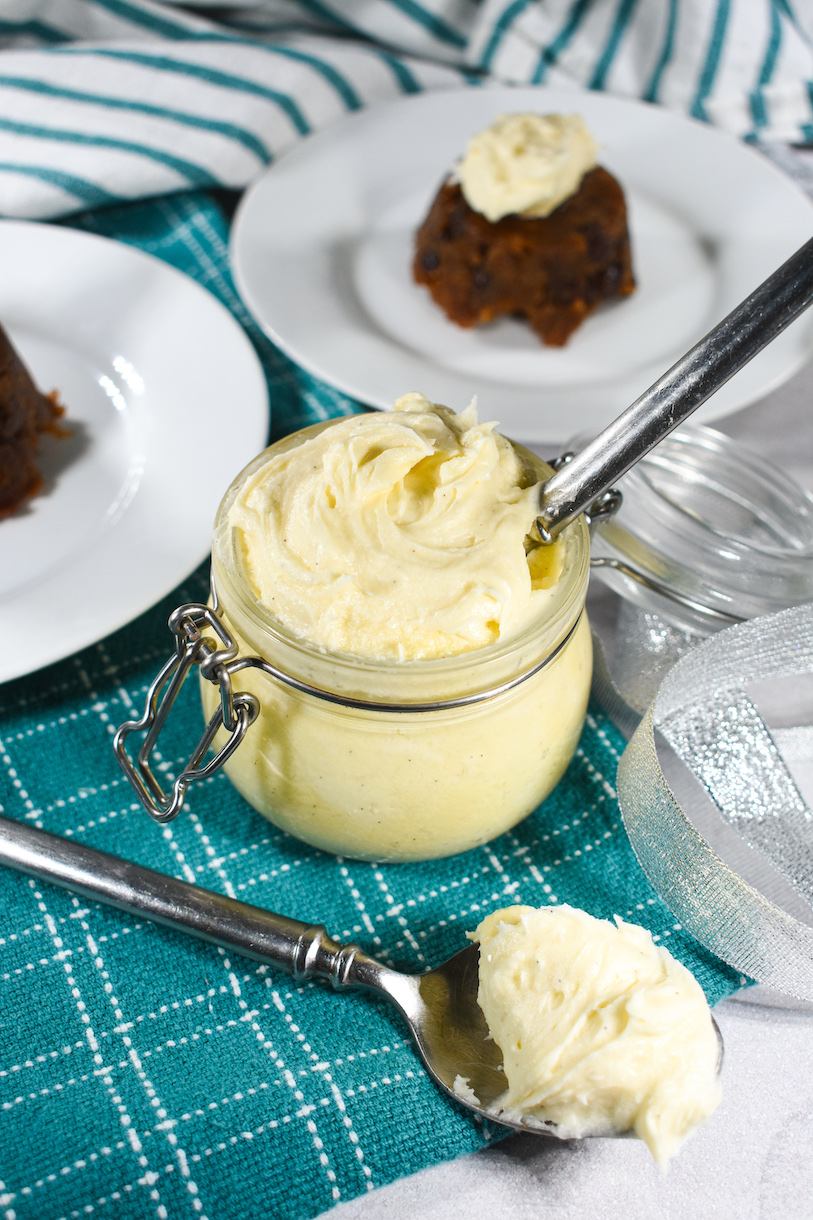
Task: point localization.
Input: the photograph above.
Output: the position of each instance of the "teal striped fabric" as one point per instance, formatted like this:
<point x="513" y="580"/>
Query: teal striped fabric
<point x="112" y="100"/>
<point x="144" y="1076"/>
<point x="744" y="65"/>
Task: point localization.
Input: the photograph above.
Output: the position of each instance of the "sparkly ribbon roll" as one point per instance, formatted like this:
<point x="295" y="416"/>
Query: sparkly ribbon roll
<point x="736" y="870"/>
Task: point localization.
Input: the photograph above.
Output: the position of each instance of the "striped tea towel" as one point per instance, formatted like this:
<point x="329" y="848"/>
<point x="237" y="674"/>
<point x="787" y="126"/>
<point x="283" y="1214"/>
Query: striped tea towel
<point x="107" y="100"/>
<point x="146" y="1076"/>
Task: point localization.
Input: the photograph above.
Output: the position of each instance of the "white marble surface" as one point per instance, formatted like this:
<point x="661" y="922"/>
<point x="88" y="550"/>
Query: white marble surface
<point x="751" y="1162"/>
<point x="754" y="1159"/>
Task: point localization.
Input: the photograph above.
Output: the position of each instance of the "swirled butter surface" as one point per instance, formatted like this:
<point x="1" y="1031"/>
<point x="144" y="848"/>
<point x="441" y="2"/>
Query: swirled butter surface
<point x="602" y="1031"/>
<point x="397" y="536"/>
<point x="526" y="163"/>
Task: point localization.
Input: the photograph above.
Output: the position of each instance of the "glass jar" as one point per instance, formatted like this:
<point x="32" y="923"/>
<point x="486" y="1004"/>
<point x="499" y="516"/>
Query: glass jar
<point x="708" y="534"/>
<point x="407" y="760"/>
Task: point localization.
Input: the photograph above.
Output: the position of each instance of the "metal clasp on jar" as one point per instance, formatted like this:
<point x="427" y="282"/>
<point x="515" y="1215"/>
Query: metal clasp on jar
<point x="237" y="711"/>
<point x="234" y="713"/>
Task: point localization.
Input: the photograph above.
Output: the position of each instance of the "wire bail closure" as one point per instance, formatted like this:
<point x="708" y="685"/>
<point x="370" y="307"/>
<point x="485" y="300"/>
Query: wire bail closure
<point x="234" y="713"/>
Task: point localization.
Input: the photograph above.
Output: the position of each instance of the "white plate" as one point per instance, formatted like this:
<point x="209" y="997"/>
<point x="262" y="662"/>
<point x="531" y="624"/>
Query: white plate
<point x="166" y="401"/>
<point x="322" y="244"/>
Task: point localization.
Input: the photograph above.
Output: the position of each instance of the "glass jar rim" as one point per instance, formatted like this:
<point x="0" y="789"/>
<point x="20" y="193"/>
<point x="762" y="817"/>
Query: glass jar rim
<point x="438" y="705"/>
<point x="762" y="475"/>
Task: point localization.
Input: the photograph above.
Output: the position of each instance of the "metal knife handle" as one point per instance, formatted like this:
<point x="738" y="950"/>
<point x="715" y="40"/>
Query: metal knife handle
<point x="303" y="950"/>
<point x="679" y="392"/>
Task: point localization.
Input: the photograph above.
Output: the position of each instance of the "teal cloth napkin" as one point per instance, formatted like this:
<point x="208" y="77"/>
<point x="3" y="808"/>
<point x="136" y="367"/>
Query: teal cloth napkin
<point x="143" y="1074"/>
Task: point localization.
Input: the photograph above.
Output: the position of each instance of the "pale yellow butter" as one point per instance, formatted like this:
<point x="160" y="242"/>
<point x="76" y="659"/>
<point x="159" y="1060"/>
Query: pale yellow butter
<point x="602" y="1031"/>
<point x="526" y="163"/>
<point x="396" y="536"/>
<point x="385" y="557"/>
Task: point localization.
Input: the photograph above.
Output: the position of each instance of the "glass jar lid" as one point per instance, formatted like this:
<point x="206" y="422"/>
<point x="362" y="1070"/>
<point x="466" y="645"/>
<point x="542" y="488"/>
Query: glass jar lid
<point x="707" y="534"/>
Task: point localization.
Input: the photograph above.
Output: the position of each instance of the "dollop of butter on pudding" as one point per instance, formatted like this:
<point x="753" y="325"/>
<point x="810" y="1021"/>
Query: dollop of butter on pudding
<point x="397" y="536"/>
<point x="602" y="1031"/>
<point x="526" y="163"/>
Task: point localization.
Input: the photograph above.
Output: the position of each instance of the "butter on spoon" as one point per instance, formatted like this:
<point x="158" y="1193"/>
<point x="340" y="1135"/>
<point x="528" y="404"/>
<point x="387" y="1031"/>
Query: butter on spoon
<point x="602" y="1031"/>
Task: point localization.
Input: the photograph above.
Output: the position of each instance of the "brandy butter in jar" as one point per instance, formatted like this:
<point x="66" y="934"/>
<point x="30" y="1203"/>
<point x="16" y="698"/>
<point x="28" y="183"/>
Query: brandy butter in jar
<point x="417" y="667"/>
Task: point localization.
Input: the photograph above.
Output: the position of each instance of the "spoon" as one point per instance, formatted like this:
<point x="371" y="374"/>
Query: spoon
<point x="440" y="1007"/>
<point x="582" y="480"/>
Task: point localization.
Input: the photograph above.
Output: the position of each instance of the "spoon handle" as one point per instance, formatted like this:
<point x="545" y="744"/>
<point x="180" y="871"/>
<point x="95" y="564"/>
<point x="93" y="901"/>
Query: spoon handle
<point x="303" y="950"/>
<point x="679" y="392"/>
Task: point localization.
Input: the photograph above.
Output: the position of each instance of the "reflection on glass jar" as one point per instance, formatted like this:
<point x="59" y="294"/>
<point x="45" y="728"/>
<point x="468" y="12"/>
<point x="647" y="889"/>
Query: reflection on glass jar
<point x="708" y="535"/>
<point x="385" y="781"/>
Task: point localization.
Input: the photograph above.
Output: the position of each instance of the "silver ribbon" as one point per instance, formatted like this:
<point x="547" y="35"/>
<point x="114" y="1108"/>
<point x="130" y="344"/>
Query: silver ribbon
<point x="737" y="870"/>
